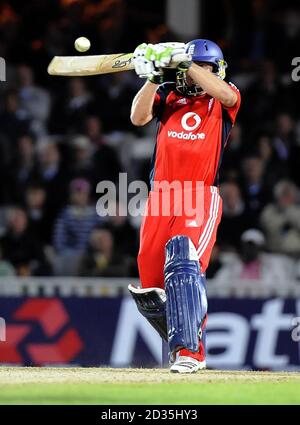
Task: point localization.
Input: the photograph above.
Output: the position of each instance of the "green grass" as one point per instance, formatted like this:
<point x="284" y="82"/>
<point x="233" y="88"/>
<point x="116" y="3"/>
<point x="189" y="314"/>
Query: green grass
<point x="145" y="386"/>
<point x="259" y="393"/>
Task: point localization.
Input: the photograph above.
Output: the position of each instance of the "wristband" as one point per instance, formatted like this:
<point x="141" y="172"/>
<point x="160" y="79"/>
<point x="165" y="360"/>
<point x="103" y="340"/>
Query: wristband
<point x="156" y="79"/>
<point x="184" y="66"/>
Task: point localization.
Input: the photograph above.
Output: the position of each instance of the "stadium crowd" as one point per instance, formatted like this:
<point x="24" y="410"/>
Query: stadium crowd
<point x="59" y="137"/>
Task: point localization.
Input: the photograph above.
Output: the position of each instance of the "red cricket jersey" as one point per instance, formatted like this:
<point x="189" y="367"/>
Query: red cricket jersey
<point x="192" y="134"/>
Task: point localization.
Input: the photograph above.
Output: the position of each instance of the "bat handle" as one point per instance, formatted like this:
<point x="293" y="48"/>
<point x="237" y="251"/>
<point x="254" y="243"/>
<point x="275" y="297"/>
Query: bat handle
<point x="181" y="57"/>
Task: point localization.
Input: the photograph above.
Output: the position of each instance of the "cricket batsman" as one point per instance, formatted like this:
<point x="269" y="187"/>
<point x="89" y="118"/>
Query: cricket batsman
<point x="195" y="114"/>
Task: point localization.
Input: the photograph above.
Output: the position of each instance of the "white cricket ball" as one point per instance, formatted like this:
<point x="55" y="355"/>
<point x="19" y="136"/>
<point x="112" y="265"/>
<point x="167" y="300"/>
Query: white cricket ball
<point x="82" y="44"/>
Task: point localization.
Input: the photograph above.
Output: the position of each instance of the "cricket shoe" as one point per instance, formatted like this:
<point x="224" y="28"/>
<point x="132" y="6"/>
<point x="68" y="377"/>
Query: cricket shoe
<point x="188" y="362"/>
<point x="185" y="364"/>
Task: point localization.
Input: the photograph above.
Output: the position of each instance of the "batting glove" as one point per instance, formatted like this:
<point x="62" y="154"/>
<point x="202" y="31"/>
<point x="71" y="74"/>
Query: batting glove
<point x="150" y="59"/>
<point x="144" y="63"/>
<point x="165" y="53"/>
<point x="144" y="66"/>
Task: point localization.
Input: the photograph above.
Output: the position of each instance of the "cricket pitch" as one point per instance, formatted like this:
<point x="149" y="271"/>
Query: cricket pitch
<point x="145" y="386"/>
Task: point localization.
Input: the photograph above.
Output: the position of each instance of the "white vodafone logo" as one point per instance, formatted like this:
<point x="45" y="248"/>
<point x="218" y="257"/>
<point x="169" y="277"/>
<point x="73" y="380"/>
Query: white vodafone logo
<point x="188" y="115"/>
<point x="195" y="122"/>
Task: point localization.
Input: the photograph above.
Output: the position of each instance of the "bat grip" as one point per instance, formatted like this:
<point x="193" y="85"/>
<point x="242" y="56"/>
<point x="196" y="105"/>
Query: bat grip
<point x="180" y="57"/>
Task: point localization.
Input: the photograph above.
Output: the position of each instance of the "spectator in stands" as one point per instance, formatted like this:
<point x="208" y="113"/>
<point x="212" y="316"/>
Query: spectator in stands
<point x="82" y="153"/>
<point x="266" y="93"/>
<point x="275" y="169"/>
<point x="285" y="136"/>
<point x="49" y="161"/>
<point x="22" y="168"/>
<point x="6" y="268"/>
<point x="286" y="146"/>
<point x="124" y="233"/>
<point x="119" y="94"/>
<point x="232" y="154"/>
<point x="39" y="222"/>
<point x="69" y="111"/>
<point x="53" y="176"/>
<point x="281" y="220"/>
<point x="254" y="188"/>
<point x="106" y="164"/>
<point x="25" y="157"/>
<point x="14" y="121"/>
<point x="22" y="248"/>
<point x="102" y="259"/>
<point x="93" y="130"/>
<point x="74" y="225"/>
<point x="79" y="99"/>
<point x="34" y="100"/>
<point x="252" y="264"/>
<point x="235" y="219"/>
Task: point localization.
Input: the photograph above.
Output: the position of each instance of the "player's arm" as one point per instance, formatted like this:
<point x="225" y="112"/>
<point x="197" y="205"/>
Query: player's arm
<point x="142" y="105"/>
<point x="148" y="61"/>
<point x="213" y="85"/>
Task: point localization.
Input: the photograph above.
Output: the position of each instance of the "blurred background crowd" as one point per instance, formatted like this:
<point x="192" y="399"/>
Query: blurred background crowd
<point x="60" y="136"/>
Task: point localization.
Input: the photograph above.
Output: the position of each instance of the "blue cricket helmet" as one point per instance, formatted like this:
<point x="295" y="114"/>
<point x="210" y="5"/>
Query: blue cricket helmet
<point x="207" y="51"/>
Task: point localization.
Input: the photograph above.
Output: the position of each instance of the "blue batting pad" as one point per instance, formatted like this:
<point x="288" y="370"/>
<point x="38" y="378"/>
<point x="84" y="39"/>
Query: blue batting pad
<point x="186" y="294"/>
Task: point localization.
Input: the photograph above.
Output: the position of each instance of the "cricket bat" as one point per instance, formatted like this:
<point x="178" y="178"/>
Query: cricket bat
<point x="80" y="66"/>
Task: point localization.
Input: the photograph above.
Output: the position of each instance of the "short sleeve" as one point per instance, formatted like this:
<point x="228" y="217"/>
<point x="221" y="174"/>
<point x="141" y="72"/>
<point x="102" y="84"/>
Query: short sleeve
<point x="159" y="102"/>
<point x="160" y="99"/>
<point x="233" y="110"/>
